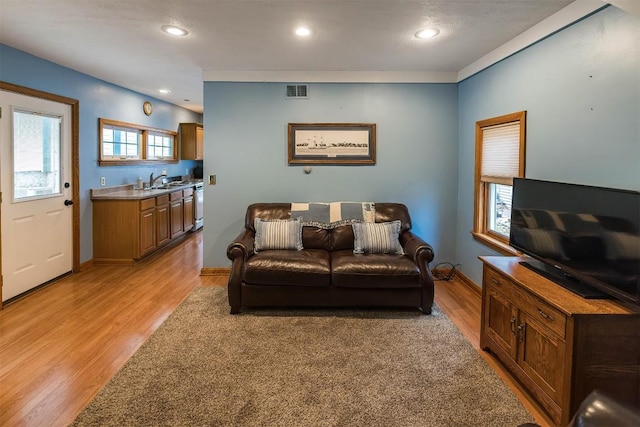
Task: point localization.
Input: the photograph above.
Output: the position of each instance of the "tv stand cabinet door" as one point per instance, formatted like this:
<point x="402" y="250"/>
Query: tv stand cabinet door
<point x="542" y="356"/>
<point x="500" y="317"/>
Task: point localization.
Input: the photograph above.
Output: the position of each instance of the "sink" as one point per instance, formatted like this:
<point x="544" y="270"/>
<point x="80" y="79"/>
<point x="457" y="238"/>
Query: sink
<point x="165" y="186"/>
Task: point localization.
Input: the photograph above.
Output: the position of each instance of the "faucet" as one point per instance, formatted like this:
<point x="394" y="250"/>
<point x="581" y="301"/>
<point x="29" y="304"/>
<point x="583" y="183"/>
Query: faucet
<point x="152" y="180"/>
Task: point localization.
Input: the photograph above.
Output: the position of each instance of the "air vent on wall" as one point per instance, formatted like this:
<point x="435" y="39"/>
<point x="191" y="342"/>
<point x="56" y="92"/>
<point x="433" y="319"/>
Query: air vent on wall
<point x="297" y="92"/>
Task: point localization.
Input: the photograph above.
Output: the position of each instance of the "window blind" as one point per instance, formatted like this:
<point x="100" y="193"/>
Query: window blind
<point x="500" y="161"/>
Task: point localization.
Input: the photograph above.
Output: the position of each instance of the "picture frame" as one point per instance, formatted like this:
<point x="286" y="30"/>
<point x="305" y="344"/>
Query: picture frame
<point x="332" y="143"/>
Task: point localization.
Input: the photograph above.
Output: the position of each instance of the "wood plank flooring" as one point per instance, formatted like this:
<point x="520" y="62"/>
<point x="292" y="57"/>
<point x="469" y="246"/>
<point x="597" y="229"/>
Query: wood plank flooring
<point x="463" y="306"/>
<point x="61" y="344"/>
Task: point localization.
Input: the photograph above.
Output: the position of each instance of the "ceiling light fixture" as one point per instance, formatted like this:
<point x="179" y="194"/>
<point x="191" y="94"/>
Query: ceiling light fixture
<point x="427" y="33"/>
<point x="303" y="31"/>
<point x="174" y="31"/>
<point x="164" y="91"/>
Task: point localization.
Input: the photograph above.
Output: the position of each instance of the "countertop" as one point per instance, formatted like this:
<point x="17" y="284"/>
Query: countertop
<point x="129" y="192"/>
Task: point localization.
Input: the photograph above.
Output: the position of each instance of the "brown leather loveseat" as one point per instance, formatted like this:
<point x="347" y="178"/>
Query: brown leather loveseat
<point x="326" y="272"/>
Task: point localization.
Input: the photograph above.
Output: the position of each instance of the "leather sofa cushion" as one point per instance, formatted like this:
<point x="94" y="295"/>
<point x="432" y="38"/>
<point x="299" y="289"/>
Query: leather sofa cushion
<point x="336" y="239"/>
<point x="342" y="238"/>
<point x="308" y="267"/>
<point x="373" y="270"/>
<point x="387" y="212"/>
<point x="316" y="238"/>
<point x="266" y="211"/>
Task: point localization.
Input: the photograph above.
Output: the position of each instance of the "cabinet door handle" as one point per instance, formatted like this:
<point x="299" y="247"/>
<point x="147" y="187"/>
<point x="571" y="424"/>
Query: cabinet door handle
<point x="496" y="282"/>
<point x="521" y="332"/>
<point x="513" y="325"/>
<point x="545" y="315"/>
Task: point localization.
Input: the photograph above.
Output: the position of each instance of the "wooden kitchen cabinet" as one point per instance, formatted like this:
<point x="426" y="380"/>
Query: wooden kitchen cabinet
<point x="147" y="226"/>
<point x="163" y="225"/>
<point x="191" y="141"/>
<point x="127" y="228"/>
<point x="177" y="214"/>
<point x="557" y="344"/>
<point x="119" y="231"/>
<point x="187" y="205"/>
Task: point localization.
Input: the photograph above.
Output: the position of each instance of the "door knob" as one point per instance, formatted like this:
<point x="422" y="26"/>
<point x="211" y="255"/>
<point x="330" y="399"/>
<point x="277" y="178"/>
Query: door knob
<point x="68" y="202"/>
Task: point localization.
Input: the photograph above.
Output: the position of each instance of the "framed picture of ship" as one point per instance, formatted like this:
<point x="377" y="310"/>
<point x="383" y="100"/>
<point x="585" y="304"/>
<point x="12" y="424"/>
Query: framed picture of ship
<point x="332" y="143"/>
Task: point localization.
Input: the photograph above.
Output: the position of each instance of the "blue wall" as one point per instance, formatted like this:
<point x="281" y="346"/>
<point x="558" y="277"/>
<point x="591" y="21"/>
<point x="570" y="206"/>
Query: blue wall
<point x="581" y="90"/>
<point x="246" y="147"/>
<point x="97" y="99"/>
<point x="580" y="87"/>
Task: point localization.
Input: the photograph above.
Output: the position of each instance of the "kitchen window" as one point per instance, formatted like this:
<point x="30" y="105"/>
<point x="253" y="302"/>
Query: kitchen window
<point x="120" y="143"/>
<point x="126" y="143"/>
<point x="160" y="145"/>
<point x="500" y="155"/>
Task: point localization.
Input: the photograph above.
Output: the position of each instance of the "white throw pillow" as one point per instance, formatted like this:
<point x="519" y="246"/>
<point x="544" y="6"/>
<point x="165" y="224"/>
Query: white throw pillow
<point x="381" y="238"/>
<point x="277" y="234"/>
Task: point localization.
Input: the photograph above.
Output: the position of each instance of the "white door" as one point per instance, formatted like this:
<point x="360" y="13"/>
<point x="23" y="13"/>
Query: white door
<point x="35" y="179"/>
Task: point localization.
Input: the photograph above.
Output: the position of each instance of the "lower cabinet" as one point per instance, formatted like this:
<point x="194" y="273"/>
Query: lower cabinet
<point x="188" y="209"/>
<point x="163" y="230"/>
<point x="557" y="344"/>
<point x="125" y="230"/>
<point x="177" y="214"/>
<point x="147" y="231"/>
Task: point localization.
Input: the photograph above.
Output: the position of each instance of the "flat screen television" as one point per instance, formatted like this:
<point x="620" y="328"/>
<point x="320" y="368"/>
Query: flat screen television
<point x="584" y="238"/>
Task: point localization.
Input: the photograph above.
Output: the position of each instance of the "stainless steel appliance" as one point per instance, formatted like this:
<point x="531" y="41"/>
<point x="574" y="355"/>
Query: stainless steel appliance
<point x="198" y="208"/>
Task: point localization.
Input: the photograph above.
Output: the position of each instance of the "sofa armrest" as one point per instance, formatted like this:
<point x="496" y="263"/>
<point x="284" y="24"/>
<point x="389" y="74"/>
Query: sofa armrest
<point x="238" y="251"/>
<point x="422" y="254"/>
<point x="419" y="250"/>
<point x="241" y="246"/>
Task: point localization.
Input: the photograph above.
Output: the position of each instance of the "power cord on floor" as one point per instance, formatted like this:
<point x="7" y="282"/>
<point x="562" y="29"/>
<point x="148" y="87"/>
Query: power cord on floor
<point x="447" y="274"/>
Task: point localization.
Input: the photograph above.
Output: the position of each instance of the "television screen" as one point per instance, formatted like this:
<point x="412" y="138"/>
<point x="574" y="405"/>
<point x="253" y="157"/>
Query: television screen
<point x="583" y="237"/>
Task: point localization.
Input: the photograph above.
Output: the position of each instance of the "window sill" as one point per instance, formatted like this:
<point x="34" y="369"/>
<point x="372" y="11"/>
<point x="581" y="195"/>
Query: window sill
<point x="122" y="162"/>
<point x="495" y="244"/>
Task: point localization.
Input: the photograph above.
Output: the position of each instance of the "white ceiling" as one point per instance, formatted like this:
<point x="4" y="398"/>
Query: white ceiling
<point x="120" y="41"/>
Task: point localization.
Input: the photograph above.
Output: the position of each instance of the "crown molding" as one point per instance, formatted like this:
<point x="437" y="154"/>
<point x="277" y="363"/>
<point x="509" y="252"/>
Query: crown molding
<point x="333" y="76"/>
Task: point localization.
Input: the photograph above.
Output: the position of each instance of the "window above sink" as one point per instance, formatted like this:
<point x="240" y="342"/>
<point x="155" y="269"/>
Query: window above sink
<point x="123" y="143"/>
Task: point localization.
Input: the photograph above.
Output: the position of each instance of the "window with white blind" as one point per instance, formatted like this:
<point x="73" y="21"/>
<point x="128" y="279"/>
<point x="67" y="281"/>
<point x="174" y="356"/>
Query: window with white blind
<point x="500" y="151"/>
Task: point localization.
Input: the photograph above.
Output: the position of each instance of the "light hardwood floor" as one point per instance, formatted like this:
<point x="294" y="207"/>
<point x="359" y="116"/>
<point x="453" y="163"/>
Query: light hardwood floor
<point x="61" y="344"/>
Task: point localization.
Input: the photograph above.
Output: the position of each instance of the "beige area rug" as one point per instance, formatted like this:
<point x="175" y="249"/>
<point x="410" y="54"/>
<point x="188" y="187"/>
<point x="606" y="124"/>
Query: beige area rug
<point x="205" y="367"/>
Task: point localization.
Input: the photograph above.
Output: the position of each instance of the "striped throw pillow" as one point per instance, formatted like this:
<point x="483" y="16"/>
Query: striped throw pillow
<point x="382" y="238"/>
<point x="277" y="234"/>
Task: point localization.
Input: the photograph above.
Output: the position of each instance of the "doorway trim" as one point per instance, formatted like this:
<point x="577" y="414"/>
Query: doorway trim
<point x="75" y="162"/>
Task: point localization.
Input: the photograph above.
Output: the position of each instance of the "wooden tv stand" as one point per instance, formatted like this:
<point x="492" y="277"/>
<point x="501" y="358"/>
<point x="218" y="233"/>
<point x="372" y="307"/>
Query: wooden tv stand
<point x="559" y="345"/>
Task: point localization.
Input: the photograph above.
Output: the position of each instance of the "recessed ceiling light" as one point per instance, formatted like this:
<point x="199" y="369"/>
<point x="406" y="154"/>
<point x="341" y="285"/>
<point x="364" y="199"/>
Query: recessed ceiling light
<point x="303" y="31"/>
<point x="427" y="33"/>
<point x="174" y="31"/>
<point x="164" y="91"/>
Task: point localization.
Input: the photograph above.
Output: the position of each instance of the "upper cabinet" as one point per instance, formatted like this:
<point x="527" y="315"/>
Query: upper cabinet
<point x="191" y="141"/>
